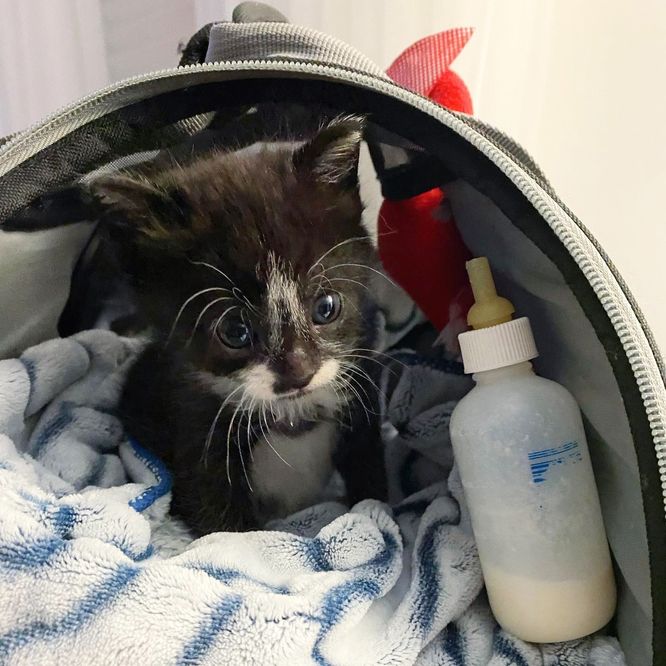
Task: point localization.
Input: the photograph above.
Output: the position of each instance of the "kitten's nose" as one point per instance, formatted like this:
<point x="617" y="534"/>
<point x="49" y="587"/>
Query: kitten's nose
<point x="295" y="370"/>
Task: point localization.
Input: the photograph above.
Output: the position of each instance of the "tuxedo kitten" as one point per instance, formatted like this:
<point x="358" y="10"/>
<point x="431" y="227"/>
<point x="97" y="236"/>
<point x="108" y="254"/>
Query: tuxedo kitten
<point x="251" y="271"/>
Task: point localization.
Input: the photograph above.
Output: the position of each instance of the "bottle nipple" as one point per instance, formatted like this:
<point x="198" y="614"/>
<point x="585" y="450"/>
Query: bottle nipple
<point x="489" y="309"/>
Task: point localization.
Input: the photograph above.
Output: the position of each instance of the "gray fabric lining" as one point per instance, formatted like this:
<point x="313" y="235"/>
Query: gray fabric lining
<point x="572" y="355"/>
<point x="35" y="273"/>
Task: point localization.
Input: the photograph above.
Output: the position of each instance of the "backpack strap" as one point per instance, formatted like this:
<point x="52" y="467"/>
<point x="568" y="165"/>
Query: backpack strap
<point x="257" y="12"/>
<point x="196" y="49"/>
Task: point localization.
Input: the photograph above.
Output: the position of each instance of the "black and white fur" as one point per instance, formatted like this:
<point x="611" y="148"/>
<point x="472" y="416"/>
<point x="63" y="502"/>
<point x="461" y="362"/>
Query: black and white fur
<point x="251" y="270"/>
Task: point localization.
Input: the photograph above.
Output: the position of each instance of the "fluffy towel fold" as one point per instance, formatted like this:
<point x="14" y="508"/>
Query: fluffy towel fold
<point x="94" y="571"/>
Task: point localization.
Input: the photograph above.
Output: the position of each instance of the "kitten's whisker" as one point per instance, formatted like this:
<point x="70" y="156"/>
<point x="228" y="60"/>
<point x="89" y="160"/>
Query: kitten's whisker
<point x="258" y="436"/>
<point x="355" y="368"/>
<point x="209" y="437"/>
<point x="214" y="268"/>
<point x="247" y="478"/>
<point x="360" y="401"/>
<point x="335" y="247"/>
<point x="202" y="313"/>
<point x="243" y="299"/>
<point x="236" y="291"/>
<point x="370" y="268"/>
<point x="268" y="441"/>
<point x="320" y="276"/>
<point x="231" y="424"/>
<point x="332" y="288"/>
<point x="338" y="389"/>
<point x="211" y="431"/>
<point x="341" y="279"/>
<point x="364" y="375"/>
<point x="249" y="424"/>
<point x="239" y="446"/>
<point x="186" y="303"/>
<point x="376" y="352"/>
<point x="219" y="320"/>
<point x="262" y="420"/>
<point x="249" y="327"/>
<point x="351" y="388"/>
<point x="364" y="357"/>
<point x="338" y="383"/>
<point x="368" y="358"/>
<point x="351" y="378"/>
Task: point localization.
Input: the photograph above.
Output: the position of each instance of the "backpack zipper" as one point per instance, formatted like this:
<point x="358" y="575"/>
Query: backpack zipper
<point x="636" y="338"/>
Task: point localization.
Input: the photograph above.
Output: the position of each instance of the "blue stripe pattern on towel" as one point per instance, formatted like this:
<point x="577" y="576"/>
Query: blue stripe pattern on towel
<point x="162" y="483"/>
<point x="209" y="630"/>
<point x="93" y="603"/>
<point x="30" y="555"/>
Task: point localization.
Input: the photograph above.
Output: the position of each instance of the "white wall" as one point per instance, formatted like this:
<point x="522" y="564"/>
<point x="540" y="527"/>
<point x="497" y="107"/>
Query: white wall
<point x="144" y="36"/>
<point x="51" y="52"/>
<point x="580" y="84"/>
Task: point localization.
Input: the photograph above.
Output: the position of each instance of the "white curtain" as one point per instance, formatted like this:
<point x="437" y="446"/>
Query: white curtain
<point x="51" y="53"/>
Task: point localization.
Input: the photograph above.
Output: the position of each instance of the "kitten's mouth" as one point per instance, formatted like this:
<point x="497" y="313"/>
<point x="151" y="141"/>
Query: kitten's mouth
<point x="294" y="419"/>
<point x="301" y="409"/>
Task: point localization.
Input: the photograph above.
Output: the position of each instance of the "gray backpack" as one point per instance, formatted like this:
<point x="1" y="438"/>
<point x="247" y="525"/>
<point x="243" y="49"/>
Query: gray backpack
<point x="592" y="335"/>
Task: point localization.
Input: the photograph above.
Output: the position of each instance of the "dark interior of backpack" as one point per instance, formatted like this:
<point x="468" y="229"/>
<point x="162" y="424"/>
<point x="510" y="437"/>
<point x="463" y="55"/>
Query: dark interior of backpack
<point x="412" y="152"/>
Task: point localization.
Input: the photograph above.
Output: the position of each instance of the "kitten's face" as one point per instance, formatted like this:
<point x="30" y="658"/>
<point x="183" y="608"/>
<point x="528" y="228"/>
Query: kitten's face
<point x="255" y="266"/>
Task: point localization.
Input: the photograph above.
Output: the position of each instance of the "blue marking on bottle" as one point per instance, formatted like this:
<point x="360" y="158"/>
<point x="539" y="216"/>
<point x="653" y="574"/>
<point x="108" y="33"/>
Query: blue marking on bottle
<point x="542" y="461"/>
<point x="549" y="452"/>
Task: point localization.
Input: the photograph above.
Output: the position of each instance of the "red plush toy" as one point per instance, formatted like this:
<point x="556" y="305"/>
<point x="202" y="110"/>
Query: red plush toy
<point x="419" y="243"/>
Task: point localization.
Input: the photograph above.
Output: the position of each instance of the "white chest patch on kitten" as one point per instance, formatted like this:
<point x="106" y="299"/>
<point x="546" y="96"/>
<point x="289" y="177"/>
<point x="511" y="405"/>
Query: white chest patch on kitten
<point x="285" y="488"/>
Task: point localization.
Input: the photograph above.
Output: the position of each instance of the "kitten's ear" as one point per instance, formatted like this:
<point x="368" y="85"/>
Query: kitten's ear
<point x="124" y="193"/>
<point x="332" y="155"/>
<point x="137" y="206"/>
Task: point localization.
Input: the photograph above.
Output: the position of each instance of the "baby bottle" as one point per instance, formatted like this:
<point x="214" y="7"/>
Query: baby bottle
<point x="521" y="451"/>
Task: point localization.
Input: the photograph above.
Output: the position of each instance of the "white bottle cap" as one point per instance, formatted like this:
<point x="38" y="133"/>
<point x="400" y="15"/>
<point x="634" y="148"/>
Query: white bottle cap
<point x="498" y="346"/>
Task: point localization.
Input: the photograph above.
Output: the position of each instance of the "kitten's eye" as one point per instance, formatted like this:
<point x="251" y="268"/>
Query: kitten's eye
<point x="326" y="308"/>
<point x="234" y="333"/>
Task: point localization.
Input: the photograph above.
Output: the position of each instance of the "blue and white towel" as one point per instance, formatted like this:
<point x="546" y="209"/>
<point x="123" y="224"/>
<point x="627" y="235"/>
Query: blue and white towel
<point x="94" y="571"/>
